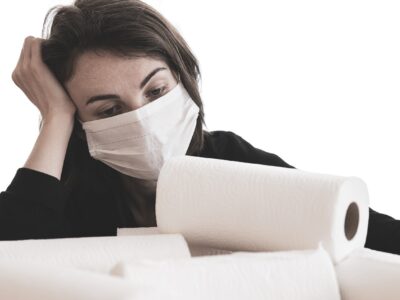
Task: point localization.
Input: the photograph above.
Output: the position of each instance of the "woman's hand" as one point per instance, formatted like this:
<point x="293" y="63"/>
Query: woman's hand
<point x="35" y="79"/>
<point x="39" y="84"/>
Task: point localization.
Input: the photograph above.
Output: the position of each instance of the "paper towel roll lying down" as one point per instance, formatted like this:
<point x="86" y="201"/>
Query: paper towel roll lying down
<point x="35" y="281"/>
<point x="300" y="275"/>
<point x="94" y="253"/>
<point x="137" y="231"/>
<point x="369" y="275"/>
<point x="195" y="250"/>
<point x="250" y="207"/>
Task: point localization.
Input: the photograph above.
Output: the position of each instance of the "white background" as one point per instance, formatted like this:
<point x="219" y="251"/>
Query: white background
<point x="315" y="82"/>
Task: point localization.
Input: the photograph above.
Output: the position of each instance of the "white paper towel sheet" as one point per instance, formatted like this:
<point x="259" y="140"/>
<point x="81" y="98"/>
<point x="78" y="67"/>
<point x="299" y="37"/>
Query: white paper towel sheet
<point x="195" y="250"/>
<point x="300" y="275"/>
<point x="369" y="275"/>
<point x="250" y="207"/>
<point x="137" y="231"/>
<point x="94" y="253"/>
<point x="34" y="281"/>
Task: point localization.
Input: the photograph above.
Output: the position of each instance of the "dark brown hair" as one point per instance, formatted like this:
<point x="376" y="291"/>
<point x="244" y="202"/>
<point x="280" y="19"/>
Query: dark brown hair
<point x="129" y="28"/>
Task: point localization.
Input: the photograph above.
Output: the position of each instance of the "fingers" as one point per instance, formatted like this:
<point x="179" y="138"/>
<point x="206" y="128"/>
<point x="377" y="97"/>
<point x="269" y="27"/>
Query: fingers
<point x="21" y="55"/>
<point x="15" y="74"/>
<point x="26" y="58"/>
<point x="21" y="71"/>
<point x="36" y="54"/>
<point x="36" y="80"/>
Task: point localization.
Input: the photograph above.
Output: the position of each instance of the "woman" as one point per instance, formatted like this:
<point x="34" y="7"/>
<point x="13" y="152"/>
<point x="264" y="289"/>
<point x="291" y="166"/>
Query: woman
<point x="95" y="80"/>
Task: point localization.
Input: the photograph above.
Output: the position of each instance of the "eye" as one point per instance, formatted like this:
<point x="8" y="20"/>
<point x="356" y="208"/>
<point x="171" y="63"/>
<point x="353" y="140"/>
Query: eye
<point x="156" y="92"/>
<point x="110" y="111"/>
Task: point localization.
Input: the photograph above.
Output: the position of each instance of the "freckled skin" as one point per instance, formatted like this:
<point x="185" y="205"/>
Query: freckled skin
<point x="98" y="73"/>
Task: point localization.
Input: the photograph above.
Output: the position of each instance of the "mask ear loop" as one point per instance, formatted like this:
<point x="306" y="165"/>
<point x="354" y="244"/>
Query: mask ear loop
<point x="78" y="127"/>
<point x="178" y="75"/>
<point x="77" y="118"/>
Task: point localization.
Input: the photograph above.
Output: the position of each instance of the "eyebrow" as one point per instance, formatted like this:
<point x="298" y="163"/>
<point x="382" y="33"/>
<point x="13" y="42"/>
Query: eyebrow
<point x="114" y="96"/>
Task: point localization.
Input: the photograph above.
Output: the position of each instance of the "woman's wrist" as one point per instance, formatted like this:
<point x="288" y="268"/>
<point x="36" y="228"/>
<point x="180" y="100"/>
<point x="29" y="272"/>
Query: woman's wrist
<point x="49" y="151"/>
<point x="59" y="118"/>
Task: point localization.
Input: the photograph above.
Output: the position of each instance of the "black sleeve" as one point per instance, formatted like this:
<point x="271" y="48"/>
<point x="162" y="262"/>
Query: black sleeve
<point x="32" y="207"/>
<point x="383" y="233"/>
<point x="383" y="230"/>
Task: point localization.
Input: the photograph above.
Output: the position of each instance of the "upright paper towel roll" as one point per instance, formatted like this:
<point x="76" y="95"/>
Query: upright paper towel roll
<point x="250" y="207"/>
<point x="34" y="281"/>
<point x="94" y="253"/>
<point x="195" y="250"/>
<point x="300" y="275"/>
<point x="369" y="275"/>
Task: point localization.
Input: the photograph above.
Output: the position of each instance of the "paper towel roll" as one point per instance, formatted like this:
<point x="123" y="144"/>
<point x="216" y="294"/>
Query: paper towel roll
<point x="241" y="206"/>
<point x="34" y="281"/>
<point x="369" y="275"/>
<point x="300" y="275"/>
<point x="200" y="250"/>
<point x="137" y="231"/>
<point x="94" y="253"/>
<point x="195" y="250"/>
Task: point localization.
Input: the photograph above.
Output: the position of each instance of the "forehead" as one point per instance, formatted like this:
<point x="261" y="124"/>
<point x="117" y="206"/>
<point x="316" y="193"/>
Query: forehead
<point x="103" y="71"/>
<point x="93" y="66"/>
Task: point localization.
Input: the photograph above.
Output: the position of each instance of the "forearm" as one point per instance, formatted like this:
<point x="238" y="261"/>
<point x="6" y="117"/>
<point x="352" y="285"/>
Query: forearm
<point x="33" y="207"/>
<point x="48" y="153"/>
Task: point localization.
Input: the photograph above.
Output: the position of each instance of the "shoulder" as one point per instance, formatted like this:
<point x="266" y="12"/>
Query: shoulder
<point x="219" y="142"/>
<point x="231" y="146"/>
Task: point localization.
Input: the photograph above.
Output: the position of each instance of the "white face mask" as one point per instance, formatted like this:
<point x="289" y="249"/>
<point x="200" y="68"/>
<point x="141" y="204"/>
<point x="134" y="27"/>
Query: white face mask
<point x="138" y="143"/>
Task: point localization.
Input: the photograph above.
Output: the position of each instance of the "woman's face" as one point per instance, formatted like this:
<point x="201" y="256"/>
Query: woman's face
<point x="104" y="85"/>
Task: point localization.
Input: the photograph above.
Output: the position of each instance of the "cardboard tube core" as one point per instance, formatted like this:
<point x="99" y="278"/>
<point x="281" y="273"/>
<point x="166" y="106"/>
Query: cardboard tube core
<point x="351" y="221"/>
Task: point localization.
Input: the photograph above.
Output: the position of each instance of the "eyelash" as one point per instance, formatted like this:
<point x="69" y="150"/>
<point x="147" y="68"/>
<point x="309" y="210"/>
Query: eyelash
<point x="111" y="109"/>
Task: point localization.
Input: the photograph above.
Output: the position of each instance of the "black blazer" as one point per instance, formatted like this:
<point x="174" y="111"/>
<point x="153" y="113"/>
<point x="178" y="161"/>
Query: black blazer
<point x="38" y="206"/>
